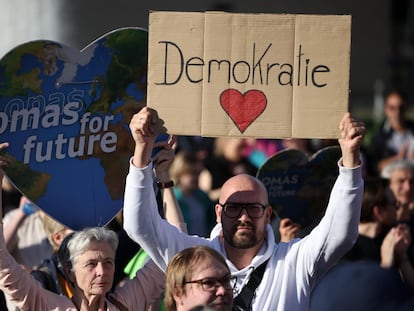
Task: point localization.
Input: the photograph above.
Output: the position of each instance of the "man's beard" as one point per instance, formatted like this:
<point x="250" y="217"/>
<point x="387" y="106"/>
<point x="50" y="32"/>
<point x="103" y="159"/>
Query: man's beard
<point x="241" y="240"/>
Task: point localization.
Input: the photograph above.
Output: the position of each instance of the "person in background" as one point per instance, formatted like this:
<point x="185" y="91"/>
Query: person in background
<point x="361" y="286"/>
<point x="400" y="176"/>
<point x="168" y="208"/>
<point x="11" y="201"/>
<point x="301" y="144"/>
<point x="195" y="204"/>
<point x="377" y="266"/>
<point x="26" y="238"/>
<point x="288" y="230"/>
<point x="394" y="250"/>
<point x="11" y="196"/>
<point x="381" y="238"/>
<point x="198" y="276"/>
<point x="228" y="160"/>
<point x="201" y="147"/>
<point x="378" y="216"/>
<point x="243" y="234"/>
<point x="51" y="273"/>
<point x="260" y="149"/>
<point x="55" y="230"/>
<point x="164" y="185"/>
<point x="129" y="254"/>
<point x="394" y="138"/>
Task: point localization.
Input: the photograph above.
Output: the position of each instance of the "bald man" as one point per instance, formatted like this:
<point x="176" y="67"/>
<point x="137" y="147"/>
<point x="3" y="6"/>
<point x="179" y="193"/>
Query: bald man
<point x="243" y="234"/>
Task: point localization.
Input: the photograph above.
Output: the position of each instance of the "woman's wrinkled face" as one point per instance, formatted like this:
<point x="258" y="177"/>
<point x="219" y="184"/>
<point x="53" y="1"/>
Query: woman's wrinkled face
<point x="402" y="185"/>
<point x="94" y="269"/>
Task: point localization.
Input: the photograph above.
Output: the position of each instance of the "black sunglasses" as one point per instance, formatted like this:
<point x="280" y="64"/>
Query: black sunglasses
<point x="234" y="210"/>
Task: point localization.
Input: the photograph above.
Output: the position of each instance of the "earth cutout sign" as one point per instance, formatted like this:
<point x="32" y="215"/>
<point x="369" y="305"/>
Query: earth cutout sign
<point x="65" y="114"/>
<point x="299" y="185"/>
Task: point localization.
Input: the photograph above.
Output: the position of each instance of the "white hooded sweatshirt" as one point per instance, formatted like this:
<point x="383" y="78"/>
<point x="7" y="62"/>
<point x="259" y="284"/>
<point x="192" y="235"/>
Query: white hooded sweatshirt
<point x="293" y="268"/>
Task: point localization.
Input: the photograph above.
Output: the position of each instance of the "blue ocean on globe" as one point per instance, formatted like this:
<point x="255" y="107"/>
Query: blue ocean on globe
<point x="53" y="100"/>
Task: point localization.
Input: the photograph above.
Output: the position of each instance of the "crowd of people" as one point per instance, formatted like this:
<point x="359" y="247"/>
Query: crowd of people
<point x="197" y="229"/>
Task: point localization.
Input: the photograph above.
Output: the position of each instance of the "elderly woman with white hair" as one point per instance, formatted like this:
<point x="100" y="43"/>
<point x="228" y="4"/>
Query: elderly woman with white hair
<point x="92" y="257"/>
<point x="90" y="268"/>
<point x="400" y="176"/>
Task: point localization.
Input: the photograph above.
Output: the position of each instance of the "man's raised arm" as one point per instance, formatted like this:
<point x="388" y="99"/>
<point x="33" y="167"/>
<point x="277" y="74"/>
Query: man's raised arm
<point x="142" y="221"/>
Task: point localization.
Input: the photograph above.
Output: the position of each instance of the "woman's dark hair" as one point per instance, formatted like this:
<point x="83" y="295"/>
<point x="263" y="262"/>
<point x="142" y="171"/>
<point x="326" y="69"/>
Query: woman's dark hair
<point x="374" y="195"/>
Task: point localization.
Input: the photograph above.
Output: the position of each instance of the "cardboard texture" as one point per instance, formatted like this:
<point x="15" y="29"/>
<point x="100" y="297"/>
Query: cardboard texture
<point x="249" y="75"/>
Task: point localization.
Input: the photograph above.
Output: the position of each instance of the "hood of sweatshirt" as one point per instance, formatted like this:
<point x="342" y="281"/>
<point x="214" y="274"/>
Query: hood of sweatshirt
<point x="264" y="254"/>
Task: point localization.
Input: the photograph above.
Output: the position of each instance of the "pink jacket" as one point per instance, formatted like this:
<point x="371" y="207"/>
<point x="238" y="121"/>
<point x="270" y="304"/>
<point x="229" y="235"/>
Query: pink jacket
<point x="26" y="292"/>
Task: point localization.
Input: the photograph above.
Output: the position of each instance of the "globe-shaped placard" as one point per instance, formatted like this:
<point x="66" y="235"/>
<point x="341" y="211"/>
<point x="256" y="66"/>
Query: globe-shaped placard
<point x="299" y="186"/>
<point x="65" y="114"/>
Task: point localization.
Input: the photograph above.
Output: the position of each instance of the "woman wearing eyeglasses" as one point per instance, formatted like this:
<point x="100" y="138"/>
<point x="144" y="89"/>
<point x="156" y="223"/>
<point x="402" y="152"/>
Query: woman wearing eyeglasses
<point x="198" y="276"/>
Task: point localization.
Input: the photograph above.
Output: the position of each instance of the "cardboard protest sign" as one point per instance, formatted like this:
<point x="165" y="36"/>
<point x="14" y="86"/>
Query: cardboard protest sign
<point x="299" y="186"/>
<point x="253" y="75"/>
<point x="65" y="114"/>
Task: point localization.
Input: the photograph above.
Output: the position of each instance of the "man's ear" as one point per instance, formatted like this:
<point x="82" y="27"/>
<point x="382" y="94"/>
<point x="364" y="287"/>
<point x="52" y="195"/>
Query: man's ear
<point x="219" y="211"/>
<point x="269" y="212"/>
<point x="58" y="237"/>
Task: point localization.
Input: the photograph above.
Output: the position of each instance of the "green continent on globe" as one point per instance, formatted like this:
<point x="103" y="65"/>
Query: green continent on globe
<point x="32" y="183"/>
<point x="44" y="53"/>
<point x="128" y="67"/>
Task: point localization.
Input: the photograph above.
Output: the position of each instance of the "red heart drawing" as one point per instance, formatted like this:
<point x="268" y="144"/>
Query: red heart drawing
<point x="243" y="109"/>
